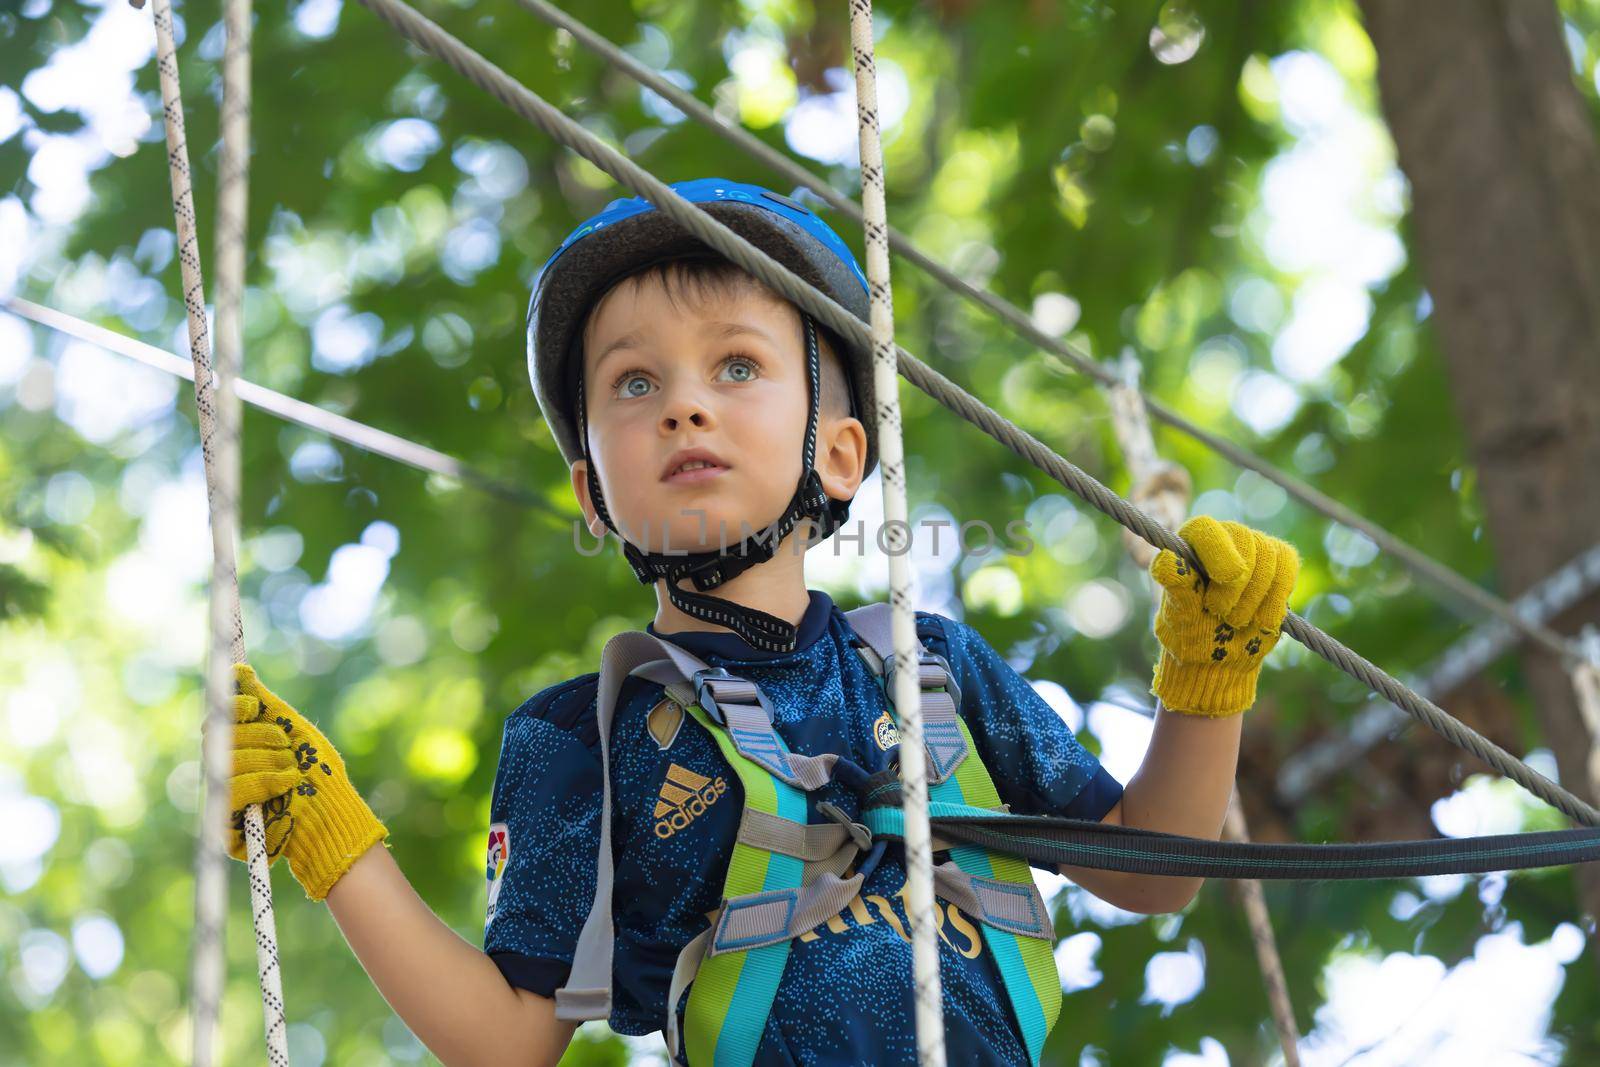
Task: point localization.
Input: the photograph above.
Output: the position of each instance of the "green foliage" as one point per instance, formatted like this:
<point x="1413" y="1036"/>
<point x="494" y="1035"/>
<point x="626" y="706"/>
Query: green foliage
<point x="1046" y="151"/>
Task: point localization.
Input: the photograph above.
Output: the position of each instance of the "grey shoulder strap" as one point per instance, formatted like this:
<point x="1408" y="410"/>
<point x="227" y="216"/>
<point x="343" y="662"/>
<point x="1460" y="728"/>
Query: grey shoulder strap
<point x="941" y="698"/>
<point x="872" y="623"/>
<point x="738" y="705"/>
<point x="587" y="994"/>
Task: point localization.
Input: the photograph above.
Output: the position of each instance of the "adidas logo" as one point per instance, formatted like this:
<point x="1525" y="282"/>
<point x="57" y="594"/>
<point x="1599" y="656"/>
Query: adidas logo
<point x="684" y="797"/>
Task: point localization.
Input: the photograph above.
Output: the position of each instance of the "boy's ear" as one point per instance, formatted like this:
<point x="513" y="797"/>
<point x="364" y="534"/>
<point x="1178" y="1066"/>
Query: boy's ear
<point x="841" y="456"/>
<point x="579" y="472"/>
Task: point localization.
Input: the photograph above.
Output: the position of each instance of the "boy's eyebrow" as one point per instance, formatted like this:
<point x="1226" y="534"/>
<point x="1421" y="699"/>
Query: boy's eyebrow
<point x="630" y="339"/>
<point x="723" y="330"/>
<point x="736" y="329"/>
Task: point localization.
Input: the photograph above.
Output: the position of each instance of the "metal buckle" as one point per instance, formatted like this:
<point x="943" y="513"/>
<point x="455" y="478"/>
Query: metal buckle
<point x="705" y="695"/>
<point x="925" y="659"/>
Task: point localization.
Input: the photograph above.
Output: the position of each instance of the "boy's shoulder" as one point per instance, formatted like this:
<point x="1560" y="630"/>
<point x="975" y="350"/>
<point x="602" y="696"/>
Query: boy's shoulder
<point x="931" y="626"/>
<point x="940" y="634"/>
<point x="957" y="641"/>
<point x="570" y="705"/>
<point x="567" y="706"/>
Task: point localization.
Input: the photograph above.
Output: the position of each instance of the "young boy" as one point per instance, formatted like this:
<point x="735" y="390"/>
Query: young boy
<point x="696" y="410"/>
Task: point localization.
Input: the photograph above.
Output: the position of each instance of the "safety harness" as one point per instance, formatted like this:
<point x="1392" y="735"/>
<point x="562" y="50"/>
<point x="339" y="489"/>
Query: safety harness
<point x="787" y="875"/>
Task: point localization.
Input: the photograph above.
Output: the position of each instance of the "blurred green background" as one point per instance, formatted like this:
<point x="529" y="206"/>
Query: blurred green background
<point x="1210" y="186"/>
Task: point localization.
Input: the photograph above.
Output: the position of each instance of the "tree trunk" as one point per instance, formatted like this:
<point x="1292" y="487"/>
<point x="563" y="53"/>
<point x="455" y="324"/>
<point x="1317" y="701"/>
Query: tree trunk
<point x="1505" y="175"/>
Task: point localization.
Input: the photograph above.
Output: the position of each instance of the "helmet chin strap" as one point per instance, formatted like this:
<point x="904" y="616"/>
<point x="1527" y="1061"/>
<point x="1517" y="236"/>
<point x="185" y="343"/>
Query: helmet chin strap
<point x="712" y="568"/>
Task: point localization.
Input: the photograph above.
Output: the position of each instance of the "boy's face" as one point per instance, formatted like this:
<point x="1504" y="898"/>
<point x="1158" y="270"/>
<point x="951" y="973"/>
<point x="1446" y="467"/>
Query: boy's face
<point x="724" y="373"/>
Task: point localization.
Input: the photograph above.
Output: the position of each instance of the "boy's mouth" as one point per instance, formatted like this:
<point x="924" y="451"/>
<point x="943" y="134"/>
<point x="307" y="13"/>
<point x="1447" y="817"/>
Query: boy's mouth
<point x="693" y="465"/>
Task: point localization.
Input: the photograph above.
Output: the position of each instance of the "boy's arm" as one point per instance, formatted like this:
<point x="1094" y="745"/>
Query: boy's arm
<point x="1182" y="787"/>
<point x="1215" y="629"/>
<point x="451" y="995"/>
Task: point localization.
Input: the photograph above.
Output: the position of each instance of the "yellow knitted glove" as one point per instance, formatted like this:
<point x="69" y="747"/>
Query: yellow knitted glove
<point x="1214" y="635"/>
<point x="311" y="811"/>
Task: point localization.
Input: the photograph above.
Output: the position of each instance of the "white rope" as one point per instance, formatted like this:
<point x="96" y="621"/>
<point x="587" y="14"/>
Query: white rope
<point x="211" y="904"/>
<point x="217" y="435"/>
<point x="891" y="462"/>
<point x="232" y="230"/>
<point x="210" y="858"/>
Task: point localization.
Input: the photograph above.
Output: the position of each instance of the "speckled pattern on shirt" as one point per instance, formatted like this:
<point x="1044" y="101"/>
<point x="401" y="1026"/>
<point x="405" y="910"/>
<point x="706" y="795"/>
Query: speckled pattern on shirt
<point x="845" y="997"/>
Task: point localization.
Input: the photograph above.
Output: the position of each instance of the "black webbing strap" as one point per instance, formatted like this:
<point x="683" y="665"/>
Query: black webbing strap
<point x="1047" y="840"/>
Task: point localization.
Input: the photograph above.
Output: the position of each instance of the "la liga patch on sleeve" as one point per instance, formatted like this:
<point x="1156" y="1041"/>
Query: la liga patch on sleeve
<point x="494" y="871"/>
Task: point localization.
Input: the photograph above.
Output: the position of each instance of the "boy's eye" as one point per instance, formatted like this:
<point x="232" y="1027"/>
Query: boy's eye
<point x="741" y="363"/>
<point x="739" y="368"/>
<point x="626" y="383"/>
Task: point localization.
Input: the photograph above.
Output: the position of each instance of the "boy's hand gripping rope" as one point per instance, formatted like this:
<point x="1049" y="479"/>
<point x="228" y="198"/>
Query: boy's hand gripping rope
<point x="288" y="768"/>
<point x="1215" y="635"/>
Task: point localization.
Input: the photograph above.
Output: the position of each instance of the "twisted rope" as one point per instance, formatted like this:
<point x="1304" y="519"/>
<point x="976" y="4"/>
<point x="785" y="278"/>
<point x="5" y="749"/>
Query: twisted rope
<point x="1161" y="487"/>
<point x="1059" y="352"/>
<point x="907" y="697"/>
<point x="1304" y="770"/>
<point x="219" y="447"/>
<point x="527" y="104"/>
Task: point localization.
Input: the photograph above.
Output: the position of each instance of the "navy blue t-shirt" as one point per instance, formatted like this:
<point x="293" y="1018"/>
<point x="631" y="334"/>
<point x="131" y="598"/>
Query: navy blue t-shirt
<point x="846" y="992"/>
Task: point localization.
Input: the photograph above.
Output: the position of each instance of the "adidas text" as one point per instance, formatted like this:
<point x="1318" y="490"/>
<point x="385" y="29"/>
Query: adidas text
<point x="684" y="797"/>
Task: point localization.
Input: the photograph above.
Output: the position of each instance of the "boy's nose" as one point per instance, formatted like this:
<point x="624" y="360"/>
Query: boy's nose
<point x="684" y="408"/>
<point x="696" y="417"/>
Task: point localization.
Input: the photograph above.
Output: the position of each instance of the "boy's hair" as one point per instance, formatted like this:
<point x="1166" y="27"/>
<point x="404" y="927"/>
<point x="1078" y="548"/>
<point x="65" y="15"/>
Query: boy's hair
<point x="697" y="280"/>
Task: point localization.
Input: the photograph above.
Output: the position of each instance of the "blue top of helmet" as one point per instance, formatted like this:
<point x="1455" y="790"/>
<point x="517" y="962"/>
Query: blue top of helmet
<point x="708" y="190"/>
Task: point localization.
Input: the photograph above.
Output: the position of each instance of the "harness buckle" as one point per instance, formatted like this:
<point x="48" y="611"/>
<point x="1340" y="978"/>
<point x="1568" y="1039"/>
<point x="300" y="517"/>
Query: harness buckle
<point x="933" y="672"/>
<point x="705" y="693"/>
<point x="858" y="831"/>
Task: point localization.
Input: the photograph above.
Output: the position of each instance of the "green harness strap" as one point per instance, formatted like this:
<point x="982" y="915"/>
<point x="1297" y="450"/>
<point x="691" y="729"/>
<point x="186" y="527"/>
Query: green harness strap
<point x="732" y="992"/>
<point x="1027" y="964"/>
<point x="731" y="995"/>
<point x="1023" y="954"/>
